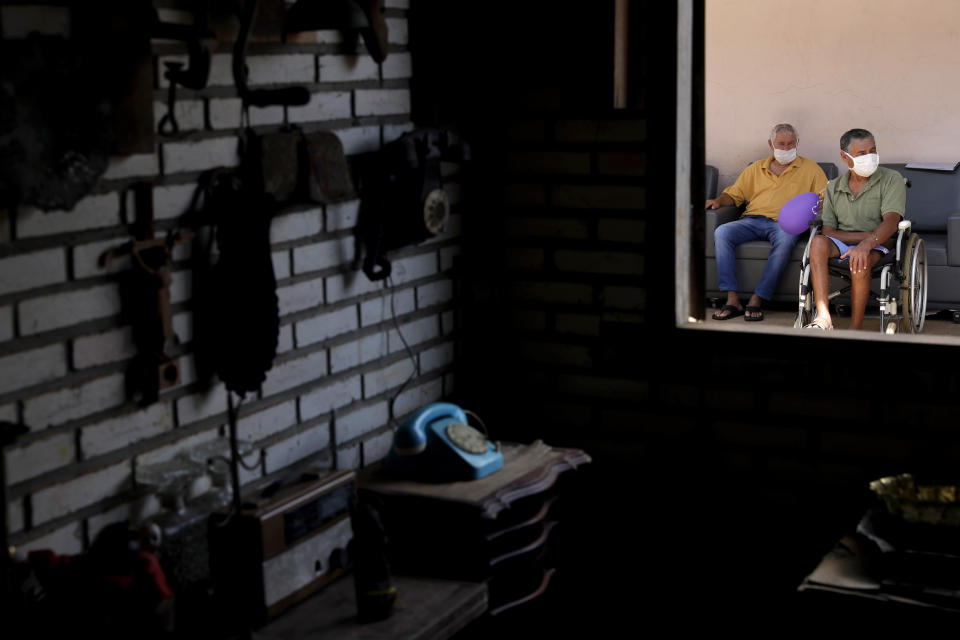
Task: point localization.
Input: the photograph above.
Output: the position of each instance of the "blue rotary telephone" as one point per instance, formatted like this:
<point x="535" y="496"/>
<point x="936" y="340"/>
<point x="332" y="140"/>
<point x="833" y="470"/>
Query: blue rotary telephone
<point x="437" y="444"/>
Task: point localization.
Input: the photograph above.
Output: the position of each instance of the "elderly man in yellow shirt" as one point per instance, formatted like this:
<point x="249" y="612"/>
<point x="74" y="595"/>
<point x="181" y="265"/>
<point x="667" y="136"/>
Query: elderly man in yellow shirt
<point x="766" y="185"/>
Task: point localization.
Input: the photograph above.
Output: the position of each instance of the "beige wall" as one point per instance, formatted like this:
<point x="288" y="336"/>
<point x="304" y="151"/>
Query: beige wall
<point x="890" y="66"/>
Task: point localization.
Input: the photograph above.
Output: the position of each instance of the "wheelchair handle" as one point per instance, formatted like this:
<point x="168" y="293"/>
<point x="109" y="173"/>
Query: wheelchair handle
<point x="904" y="224"/>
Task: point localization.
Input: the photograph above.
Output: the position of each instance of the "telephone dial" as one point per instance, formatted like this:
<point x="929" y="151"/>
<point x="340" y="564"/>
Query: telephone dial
<point x="436" y="443"/>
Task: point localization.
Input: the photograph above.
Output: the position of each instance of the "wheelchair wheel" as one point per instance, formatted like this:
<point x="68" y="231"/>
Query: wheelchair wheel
<point x="913" y="288"/>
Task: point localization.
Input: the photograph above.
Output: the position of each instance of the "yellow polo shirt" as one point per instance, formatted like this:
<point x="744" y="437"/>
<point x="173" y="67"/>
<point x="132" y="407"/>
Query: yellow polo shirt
<point x="765" y="192"/>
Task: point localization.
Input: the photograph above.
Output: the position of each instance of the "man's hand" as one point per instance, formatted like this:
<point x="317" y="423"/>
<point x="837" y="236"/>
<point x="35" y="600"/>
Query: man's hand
<point x="859" y="256"/>
<point x="712" y="204"/>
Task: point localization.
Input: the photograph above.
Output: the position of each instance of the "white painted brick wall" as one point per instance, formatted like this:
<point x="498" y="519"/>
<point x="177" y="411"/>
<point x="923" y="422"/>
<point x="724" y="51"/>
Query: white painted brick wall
<point x="200" y="155"/>
<point x="356" y="283"/>
<point x="417" y="397"/>
<point x="285" y="339"/>
<point x="57" y="407"/>
<point x="267" y="422"/>
<point x="144" y="164"/>
<point x="172" y="201"/>
<point x="413" y="268"/>
<point x="281" y="69"/>
<point x="294" y="226"/>
<point x="380" y="310"/>
<point x="447" y="255"/>
<point x="358" y="352"/>
<point x="27" y="368"/>
<point x="393" y="131"/>
<point x="188" y="114"/>
<point x="281" y="264"/>
<point x="300" y="296"/>
<point x="349" y="457"/>
<point x="325" y="105"/>
<point x="67" y="540"/>
<point x="338" y="68"/>
<point x="397" y="65"/>
<point x="449" y="384"/>
<point x="8" y="412"/>
<point x="6" y="323"/>
<point x="342" y="215"/>
<point x="447" y="322"/>
<point x="325" y="326"/>
<point x="359" y="139"/>
<point x="92" y="212"/>
<point x="434" y="293"/>
<point x="61" y="499"/>
<point x="221" y="69"/>
<point x="225" y="113"/>
<point x="377" y="447"/>
<point x="181" y="286"/>
<point x="397" y="31"/>
<point x="15" y="515"/>
<point x="295" y="372"/>
<point x="64" y="309"/>
<point x="378" y="102"/>
<point x="202" y="405"/>
<point x="357" y="423"/>
<point x="169" y="451"/>
<point x="188" y="370"/>
<point x="39" y="457"/>
<point x="124" y="430"/>
<point x="297" y="447"/>
<point x="336" y="395"/>
<point x="436" y="357"/>
<point x="414" y="333"/>
<point x="323" y="255"/>
<point x="389" y="377"/>
<point x="125" y="512"/>
<point x="29" y="270"/>
<point x="183" y="326"/>
<point x="397" y="4"/>
<point x="86" y="258"/>
<point x="18" y="21"/>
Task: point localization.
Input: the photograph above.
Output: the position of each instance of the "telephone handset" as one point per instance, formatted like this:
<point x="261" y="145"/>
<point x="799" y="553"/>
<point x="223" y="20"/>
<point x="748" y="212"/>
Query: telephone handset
<point x="437" y="443"/>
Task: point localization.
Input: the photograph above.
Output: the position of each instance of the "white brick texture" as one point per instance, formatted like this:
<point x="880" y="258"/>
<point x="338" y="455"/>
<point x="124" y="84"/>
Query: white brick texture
<point x="326" y="326"/>
<point x="188" y="114"/>
<point x="434" y="293"/>
<point x="389" y="377"/>
<point x="64" y="309"/>
<point x="267" y="422"/>
<point x="8" y="412"/>
<point x="6" y="323"/>
<point x="172" y="201"/>
<point x="294" y="226"/>
<point x="178" y="447"/>
<point x="281" y="264"/>
<point x="380" y="310"/>
<point x="397" y="30"/>
<point x="447" y="256"/>
<point x="299" y="446"/>
<point x="336" y="395"/>
<point x="225" y="114"/>
<point x="348" y="68"/>
<point x="29" y="270"/>
<point x="349" y="457"/>
<point x="436" y="357"/>
<point x="358" y="352"/>
<point x="295" y="372"/>
<point x="343" y="286"/>
<point x="74" y="402"/>
<point x="15" y="515"/>
<point x="300" y="296"/>
<point x="200" y="155"/>
<point x="323" y="255"/>
<point x="342" y="215"/>
<point x="322" y="106"/>
<point x="92" y="212"/>
<point x="27" y="368"/>
<point x="86" y="259"/>
<point x="397" y="65"/>
<point x="360" y="422"/>
<point x="144" y="164"/>
<point x="39" y="457"/>
<point x="124" y="430"/>
<point x="59" y="500"/>
<point x="417" y="397"/>
<point x="359" y="139"/>
<point x="377" y="447"/>
<point x="285" y="339"/>
<point x="202" y="405"/>
<point x="378" y="102"/>
<point x="221" y="70"/>
<point x="18" y="21"/>
<point x="414" y="333"/>
<point x="281" y="69"/>
<point x="67" y="540"/>
<point x="413" y="268"/>
<point x="393" y="131"/>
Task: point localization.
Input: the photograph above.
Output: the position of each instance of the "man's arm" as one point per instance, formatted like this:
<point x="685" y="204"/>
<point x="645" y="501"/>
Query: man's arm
<point x="723" y="200"/>
<point x="865" y="241"/>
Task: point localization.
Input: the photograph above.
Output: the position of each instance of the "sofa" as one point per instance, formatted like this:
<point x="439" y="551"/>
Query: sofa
<point x="933" y="206"/>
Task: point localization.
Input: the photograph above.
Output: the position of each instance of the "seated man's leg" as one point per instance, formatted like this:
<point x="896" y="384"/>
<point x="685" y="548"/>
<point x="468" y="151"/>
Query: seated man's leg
<point x="726" y="237"/>
<point x="860" y="291"/>
<point x="821" y="250"/>
<point x="781" y="246"/>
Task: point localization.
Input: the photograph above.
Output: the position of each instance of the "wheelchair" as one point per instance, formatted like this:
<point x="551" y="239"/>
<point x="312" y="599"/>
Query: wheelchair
<point x="902" y="275"/>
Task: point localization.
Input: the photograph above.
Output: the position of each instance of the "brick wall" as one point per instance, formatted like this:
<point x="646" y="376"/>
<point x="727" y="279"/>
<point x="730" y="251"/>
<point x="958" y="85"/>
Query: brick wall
<point x="64" y="343"/>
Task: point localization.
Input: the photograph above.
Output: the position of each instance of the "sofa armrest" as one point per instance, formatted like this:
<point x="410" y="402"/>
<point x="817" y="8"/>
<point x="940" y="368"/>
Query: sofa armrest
<point x="953" y="240"/>
<point x="715" y="218"/>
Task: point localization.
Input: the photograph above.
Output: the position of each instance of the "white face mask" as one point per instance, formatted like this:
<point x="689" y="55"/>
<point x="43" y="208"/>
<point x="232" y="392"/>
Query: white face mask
<point x="864" y="166"/>
<point x="785" y="156"/>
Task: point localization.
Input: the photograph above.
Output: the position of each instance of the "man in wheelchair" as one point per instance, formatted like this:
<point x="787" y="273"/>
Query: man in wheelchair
<point x="765" y="186"/>
<point x="861" y="213"/>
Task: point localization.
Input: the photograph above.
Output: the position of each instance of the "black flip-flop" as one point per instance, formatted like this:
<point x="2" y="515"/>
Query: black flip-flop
<point x="734" y="312"/>
<point x="755" y="318"/>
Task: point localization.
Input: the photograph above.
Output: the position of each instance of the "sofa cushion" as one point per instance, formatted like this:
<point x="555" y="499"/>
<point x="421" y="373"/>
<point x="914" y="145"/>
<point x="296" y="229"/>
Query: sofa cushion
<point x="932" y="197"/>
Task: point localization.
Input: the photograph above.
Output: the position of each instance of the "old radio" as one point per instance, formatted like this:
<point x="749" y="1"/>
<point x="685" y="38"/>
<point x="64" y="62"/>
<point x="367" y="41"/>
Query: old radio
<point x="289" y="540"/>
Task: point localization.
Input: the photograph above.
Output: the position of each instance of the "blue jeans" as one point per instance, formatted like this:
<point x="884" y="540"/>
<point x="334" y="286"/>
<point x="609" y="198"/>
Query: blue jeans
<point x="728" y="236"/>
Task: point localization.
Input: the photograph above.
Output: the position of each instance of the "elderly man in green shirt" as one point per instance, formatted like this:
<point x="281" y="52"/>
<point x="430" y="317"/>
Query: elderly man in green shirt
<point x="861" y="211"/>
